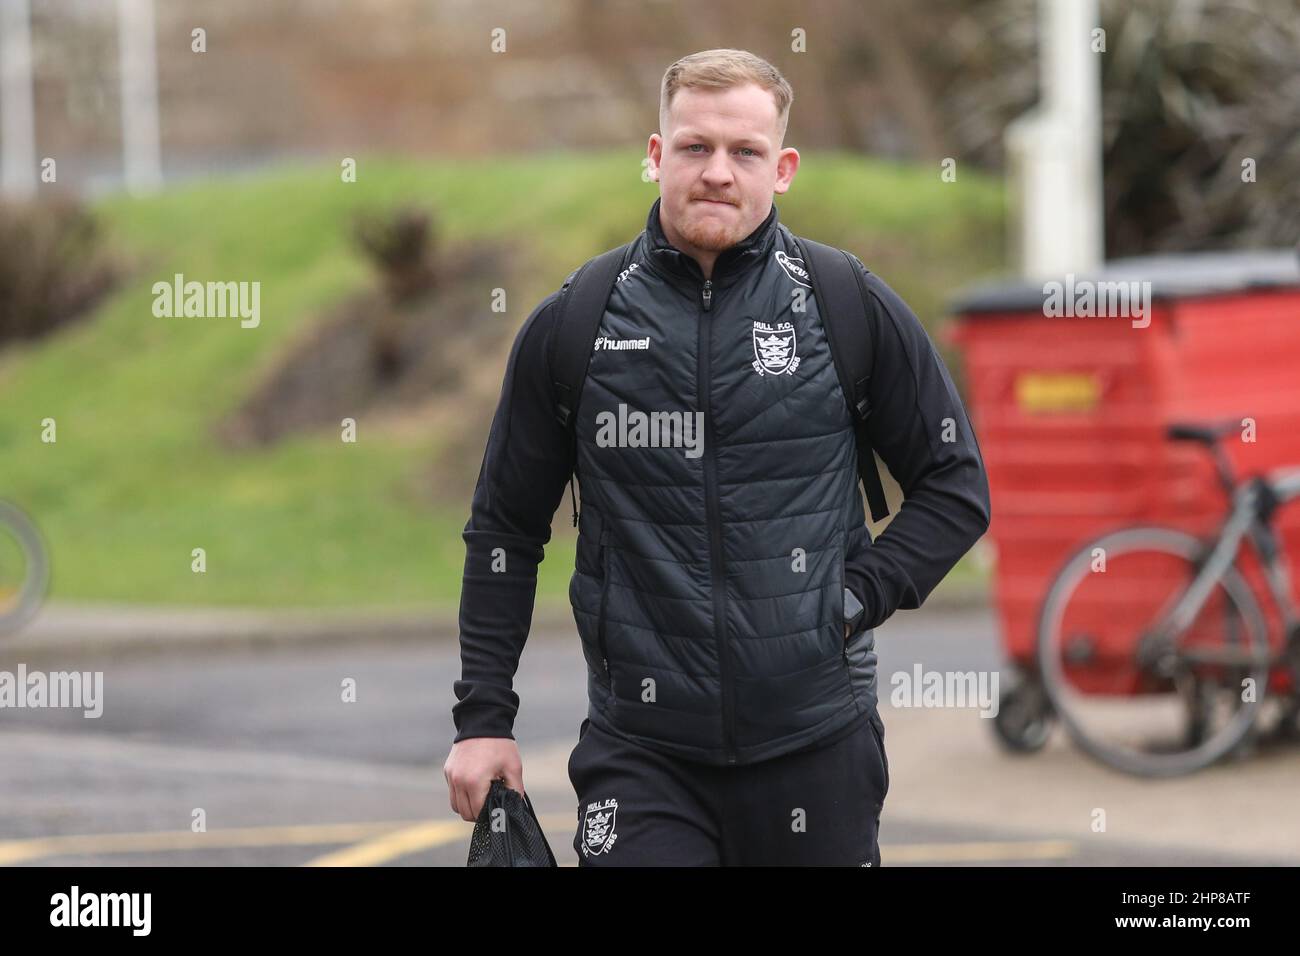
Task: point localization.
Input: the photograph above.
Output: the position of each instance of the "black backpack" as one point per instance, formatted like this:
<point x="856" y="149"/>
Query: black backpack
<point x="847" y="312"/>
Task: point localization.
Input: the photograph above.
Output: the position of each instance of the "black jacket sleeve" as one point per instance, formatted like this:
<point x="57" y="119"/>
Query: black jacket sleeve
<point x="528" y="460"/>
<point x="920" y="429"/>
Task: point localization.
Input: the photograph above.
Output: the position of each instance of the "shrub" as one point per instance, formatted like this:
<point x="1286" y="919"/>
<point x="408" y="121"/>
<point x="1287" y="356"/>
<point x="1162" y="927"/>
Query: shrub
<point x="52" y="266"/>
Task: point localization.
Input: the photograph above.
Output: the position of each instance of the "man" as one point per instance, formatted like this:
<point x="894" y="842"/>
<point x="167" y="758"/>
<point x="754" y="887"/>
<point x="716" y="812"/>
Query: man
<point x="726" y="586"/>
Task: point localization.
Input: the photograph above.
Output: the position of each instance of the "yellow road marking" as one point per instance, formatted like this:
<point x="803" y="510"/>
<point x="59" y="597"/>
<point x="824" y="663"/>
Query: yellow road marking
<point x="384" y="840"/>
<point x="970" y="852"/>
<point x="423" y="836"/>
<point x="371" y="844"/>
<point x="389" y="846"/>
<point x="15" y="851"/>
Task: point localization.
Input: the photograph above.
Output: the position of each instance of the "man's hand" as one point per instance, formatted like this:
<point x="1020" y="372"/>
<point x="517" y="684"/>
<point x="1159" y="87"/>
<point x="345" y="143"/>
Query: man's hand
<point x="471" y="767"/>
<point x="854" y="613"/>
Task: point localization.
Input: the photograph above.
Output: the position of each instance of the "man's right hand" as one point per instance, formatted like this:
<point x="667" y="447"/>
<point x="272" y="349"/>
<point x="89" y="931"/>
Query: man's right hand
<point x="471" y="767"/>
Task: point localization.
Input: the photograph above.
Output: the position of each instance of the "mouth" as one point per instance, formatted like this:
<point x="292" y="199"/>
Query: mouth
<point x="715" y="202"/>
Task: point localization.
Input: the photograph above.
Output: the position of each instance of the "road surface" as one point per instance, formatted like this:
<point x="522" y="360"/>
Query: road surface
<point x="262" y="750"/>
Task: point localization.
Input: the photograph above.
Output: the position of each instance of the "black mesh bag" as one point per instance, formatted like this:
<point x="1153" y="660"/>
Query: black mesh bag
<point x="507" y="832"/>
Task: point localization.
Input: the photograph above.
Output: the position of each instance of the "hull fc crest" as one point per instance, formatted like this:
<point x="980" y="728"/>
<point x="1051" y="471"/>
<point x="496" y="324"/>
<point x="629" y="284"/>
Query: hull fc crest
<point x="774" y="348"/>
<point x="598" y="827"/>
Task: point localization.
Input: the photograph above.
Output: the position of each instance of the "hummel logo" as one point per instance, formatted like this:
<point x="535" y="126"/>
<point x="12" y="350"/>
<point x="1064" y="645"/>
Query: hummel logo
<point x="618" y="345"/>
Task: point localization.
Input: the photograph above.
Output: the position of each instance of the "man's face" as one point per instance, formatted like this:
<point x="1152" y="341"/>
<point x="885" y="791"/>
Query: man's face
<point x="718" y="165"/>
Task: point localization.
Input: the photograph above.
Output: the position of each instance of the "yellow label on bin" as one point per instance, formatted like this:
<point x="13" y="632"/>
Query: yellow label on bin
<point x="1057" y="391"/>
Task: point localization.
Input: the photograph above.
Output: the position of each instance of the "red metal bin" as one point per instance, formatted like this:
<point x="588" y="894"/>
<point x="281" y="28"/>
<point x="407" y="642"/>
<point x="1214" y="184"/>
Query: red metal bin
<point x="1071" y="410"/>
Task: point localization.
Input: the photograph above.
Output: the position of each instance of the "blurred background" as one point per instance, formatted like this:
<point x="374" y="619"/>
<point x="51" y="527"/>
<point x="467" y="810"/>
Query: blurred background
<point x="253" y="530"/>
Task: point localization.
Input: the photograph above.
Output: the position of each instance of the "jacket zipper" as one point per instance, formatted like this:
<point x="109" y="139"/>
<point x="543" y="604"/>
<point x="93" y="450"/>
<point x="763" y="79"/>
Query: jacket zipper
<point x="715" y="524"/>
<point x="604" y="602"/>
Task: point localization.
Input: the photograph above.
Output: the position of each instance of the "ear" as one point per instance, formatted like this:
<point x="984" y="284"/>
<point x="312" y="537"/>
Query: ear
<point x="787" y="164"/>
<point x="654" y="153"/>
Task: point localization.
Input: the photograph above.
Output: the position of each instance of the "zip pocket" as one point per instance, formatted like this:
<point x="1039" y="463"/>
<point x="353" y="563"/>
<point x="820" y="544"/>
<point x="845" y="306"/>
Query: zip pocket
<point x="839" y="598"/>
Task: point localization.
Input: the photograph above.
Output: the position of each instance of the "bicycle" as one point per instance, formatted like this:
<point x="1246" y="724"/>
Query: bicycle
<point x="1176" y="632"/>
<point x="24" y="568"/>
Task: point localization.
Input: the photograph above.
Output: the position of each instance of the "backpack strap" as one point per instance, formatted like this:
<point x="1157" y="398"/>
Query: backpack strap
<point x="578" y="311"/>
<point x="848" y="314"/>
<point x="580" y="307"/>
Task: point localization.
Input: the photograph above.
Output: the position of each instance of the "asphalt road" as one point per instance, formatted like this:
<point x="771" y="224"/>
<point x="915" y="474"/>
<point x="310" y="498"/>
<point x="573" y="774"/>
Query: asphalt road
<point x="260" y="747"/>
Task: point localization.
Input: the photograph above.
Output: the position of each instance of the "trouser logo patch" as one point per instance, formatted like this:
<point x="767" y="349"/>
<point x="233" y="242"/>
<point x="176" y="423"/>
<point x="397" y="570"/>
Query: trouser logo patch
<point x="598" y="827"/>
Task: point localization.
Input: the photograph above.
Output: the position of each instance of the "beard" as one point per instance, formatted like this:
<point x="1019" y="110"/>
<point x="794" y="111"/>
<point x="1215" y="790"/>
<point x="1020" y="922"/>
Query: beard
<point x="706" y="232"/>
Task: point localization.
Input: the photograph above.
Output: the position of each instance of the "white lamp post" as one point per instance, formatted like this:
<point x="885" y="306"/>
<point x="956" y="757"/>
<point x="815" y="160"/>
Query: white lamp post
<point x="1054" y="152"/>
<point x="17" y="125"/>
<point x="138" y="55"/>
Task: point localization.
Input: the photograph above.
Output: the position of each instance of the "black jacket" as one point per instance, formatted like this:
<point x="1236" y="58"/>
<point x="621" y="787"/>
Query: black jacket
<point x="708" y="587"/>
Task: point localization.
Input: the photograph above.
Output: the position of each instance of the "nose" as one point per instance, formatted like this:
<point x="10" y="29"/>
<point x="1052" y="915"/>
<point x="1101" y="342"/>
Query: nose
<point x="717" y="172"/>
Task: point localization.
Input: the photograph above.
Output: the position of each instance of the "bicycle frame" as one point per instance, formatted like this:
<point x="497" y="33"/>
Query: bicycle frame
<point x="1253" y="503"/>
<point x="1199" y="674"/>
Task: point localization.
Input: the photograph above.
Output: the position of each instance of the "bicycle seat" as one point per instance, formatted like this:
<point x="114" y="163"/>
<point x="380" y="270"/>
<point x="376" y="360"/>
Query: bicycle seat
<point x="1201" y="432"/>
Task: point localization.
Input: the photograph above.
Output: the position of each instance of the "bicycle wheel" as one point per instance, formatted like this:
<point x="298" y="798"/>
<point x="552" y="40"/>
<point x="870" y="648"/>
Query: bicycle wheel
<point x="24" y="568"/>
<point x="1024" y="718"/>
<point x="1130" y="692"/>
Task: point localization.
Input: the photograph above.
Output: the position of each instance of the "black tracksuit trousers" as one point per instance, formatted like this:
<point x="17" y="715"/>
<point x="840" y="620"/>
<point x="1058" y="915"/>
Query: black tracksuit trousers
<point x="819" y="806"/>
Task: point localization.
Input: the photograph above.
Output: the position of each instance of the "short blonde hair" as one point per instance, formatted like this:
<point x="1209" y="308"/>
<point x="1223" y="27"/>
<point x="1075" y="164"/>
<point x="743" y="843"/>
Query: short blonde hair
<point x="722" y="70"/>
